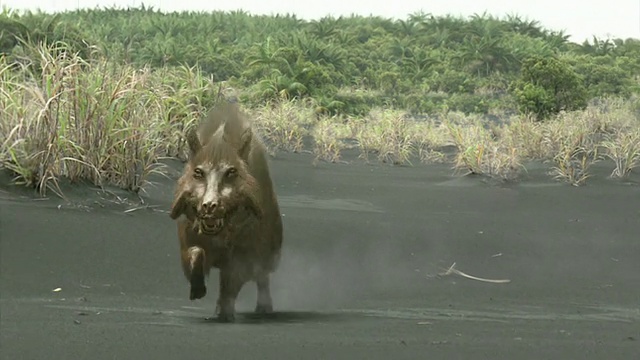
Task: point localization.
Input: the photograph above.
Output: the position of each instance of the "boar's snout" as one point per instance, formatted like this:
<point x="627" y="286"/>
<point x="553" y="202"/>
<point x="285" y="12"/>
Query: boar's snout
<point x="209" y="206"/>
<point x="210" y="200"/>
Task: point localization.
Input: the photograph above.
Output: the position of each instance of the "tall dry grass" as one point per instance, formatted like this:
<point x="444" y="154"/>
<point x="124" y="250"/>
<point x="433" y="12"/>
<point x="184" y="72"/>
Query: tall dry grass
<point x="329" y="135"/>
<point x="621" y="139"/>
<point x="623" y="148"/>
<point x="572" y="141"/>
<point x="284" y="124"/>
<point x="388" y="134"/>
<point x="430" y="136"/>
<point x="111" y="124"/>
<point x="577" y="140"/>
<point x="92" y="121"/>
<point x="482" y="151"/>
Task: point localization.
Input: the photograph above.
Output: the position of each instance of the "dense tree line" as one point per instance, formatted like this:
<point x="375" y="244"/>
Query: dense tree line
<point x="350" y="64"/>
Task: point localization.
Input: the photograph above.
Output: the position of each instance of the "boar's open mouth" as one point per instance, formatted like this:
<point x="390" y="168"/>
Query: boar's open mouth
<point x="210" y="225"/>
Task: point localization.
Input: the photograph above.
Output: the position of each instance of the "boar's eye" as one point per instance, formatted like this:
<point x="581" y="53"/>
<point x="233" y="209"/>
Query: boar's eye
<point x="231" y="172"/>
<point x="198" y="173"/>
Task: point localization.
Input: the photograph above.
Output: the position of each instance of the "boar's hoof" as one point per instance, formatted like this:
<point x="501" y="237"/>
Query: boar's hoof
<point x="198" y="288"/>
<point x="264" y="309"/>
<point x="227" y="317"/>
<point x="197" y="292"/>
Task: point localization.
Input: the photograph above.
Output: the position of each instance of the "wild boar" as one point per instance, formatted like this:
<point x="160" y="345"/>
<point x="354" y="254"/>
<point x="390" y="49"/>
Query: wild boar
<point x="227" y="211"/>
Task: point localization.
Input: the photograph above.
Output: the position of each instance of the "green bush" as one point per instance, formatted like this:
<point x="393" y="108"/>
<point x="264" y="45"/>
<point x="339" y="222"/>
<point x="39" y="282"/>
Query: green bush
<point x="603" y="75"/>
<point x="547" y="86"/>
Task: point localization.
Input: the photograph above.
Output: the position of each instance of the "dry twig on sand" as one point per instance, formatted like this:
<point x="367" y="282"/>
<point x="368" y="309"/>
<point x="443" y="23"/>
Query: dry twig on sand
<point x="140" y="208"/>
<point x="452" y="270"/>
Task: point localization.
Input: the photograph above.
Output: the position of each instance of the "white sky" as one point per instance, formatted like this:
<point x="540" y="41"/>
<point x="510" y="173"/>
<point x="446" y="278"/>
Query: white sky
<point x="580" y="19"/>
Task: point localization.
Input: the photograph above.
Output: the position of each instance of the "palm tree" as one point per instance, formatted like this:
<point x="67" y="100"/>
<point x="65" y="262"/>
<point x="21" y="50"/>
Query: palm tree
<point x="598" y="47"/>
<point x="408" y="28"/>
<point x="419" y="66"/>
<point x="525" y="27"/>
<point x="279" y="85"/>
<point x="324" y="28"/>
<point x="420" y="17"/>
<point x="266" y="56"/>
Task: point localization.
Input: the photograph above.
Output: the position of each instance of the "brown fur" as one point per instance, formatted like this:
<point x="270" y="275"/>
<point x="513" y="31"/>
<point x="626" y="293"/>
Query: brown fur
<point x="247" y="248"/>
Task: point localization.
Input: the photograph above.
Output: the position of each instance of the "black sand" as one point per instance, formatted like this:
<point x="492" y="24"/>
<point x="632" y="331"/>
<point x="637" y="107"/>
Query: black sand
<point x="358" y="280"/>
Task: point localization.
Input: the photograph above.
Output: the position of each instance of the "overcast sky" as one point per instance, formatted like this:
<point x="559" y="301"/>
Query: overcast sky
<point x="581" y="19"/>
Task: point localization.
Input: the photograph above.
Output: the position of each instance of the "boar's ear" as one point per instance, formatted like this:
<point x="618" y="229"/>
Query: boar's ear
<point x="193" y="141"/>
<point x="244" y="145"/>
<point x="180" y="206"/>
<point x="237" y="130"/>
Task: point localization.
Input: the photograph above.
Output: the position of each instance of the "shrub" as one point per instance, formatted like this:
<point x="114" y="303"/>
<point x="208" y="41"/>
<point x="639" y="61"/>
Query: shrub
<point x="547" y="86"/>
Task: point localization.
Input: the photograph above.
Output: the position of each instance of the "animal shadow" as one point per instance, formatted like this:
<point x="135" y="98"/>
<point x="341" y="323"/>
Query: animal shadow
<point x="282" y="317"/>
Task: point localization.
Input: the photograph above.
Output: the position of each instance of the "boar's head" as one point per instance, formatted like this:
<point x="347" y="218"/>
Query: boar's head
<point x="217" y="180"/>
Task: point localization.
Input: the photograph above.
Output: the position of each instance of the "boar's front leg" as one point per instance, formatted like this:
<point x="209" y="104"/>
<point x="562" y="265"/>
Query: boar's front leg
<point x="264" y="304"/>
<point x="195" y="258"/>
<point x="230" y="284"/>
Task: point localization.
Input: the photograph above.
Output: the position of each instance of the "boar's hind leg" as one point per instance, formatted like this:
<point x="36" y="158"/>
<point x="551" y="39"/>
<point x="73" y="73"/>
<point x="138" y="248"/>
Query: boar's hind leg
<point x="264" y="304"/>
<point x="196" y="262"/>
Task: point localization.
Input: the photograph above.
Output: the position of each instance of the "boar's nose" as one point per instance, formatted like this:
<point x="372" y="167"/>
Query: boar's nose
<point x="209" y="205"/>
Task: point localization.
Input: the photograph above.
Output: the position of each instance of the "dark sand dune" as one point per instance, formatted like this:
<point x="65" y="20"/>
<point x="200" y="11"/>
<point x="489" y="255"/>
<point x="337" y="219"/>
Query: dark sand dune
<point x="358" y="280"/>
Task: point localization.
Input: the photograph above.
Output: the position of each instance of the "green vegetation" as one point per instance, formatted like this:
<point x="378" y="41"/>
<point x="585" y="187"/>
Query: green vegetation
<point x="103" y="95"/>
<point x="350" y="65"/>
<point x="548" y="85"/>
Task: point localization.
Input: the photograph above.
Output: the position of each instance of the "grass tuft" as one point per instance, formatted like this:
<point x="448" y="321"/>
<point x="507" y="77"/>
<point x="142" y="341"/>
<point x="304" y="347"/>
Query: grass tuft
<point x="623" y="148"/>
<point x="284" y="124"/>
<point x="481" y="151"/>
<point x="329" y="134"/>
<point x="387" y="133"/>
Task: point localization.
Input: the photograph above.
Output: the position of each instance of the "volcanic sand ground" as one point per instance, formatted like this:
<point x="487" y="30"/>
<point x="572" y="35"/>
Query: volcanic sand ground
<point x="364" y="245"/>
